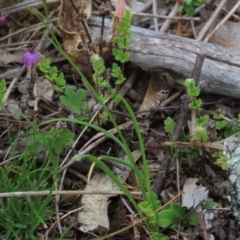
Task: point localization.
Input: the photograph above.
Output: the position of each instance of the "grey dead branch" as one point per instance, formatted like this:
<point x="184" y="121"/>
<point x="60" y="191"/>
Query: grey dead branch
<point x="152" y="51"/>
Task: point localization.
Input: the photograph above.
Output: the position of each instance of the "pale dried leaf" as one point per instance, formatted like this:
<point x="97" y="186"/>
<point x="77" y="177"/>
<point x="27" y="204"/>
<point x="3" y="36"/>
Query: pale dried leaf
<point x="6" y="57"/>
<point x="193" y="194"/>
<point x="14" y="109"/>
<point x="75" y="39"/>
<point x="73" y="33"/>
<point x="94" y="216"/>
<point x="156" y="84"/>
<point x="44" y="91"/>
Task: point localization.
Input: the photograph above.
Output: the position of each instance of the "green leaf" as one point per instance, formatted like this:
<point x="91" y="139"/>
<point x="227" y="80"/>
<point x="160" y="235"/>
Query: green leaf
<point x="44" y="65"/>
<point x="158" y="236"/>
<point x="98" y="64"/>
<point x="58" y="139"/>
<point x="153" y="199"/>
<point x="119" y="41"/>
<point x="218" y="114"/>
<point x="210" y="204"/>
<point x="202" y="121"/>
<point x="169" y="125"/>
<point x="60" y="80"/>
<point x="191" y="87"/>
<point x="116" y="71"/>
<point x="75" y="100"/>
<point x="2" y="86"/>
<point x="192" y="155"/>
<point x="171" y="213"/>
<point x="53" y="72"/>
<point x="195" y="104"/>
<point x="58" y="88"/>
<point x="230" y="130"/>
<point x="193" y="218"/>
<point x="201" y="134"/>
<point x="188" y="1"/>
<point x="127" y="43"/>
<point x="124" y="32"/>
<point x="194" y="91"/>
<point x="120" y="55"/>
<point x="221" y="160"/>
<point x="222" y="124"/>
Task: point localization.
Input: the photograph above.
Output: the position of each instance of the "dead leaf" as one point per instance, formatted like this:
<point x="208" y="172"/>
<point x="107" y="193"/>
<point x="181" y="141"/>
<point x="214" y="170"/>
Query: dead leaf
<point x="94" y="216"/>
<point x="73" y="25"/>
<point x="6" y="57"/>
<point x="44" y="91"/>
<point x="14" y="109"/>
<point x="193" y="194"/>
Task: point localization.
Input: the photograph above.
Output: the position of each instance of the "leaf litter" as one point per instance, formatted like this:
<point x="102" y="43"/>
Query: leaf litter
<point x="152" y="128"/>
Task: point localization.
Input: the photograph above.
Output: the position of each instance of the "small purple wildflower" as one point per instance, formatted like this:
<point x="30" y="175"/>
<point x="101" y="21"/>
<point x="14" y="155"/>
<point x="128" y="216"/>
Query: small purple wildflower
<point x="3" y="21"/>
<point x="31" y="57"/>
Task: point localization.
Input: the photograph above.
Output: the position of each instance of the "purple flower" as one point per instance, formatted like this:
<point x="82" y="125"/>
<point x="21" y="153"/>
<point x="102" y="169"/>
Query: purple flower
<point x="3" y="21"/>
<point x="31" y="57"/>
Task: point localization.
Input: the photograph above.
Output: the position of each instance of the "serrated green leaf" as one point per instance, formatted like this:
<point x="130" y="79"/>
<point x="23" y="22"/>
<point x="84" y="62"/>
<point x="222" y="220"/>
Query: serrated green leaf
<point x="116" y="71"/>
<point x="127" y="43"/>
<point x="195" y="104"/>
<point x="74" y="99"/>
<point x="65" y="101"/>
<point x="44" y="65"/>
<point x="221" y="124"/>
<point x="202" y="121"/>
<point x="98" y="64"/>
<point x="76" y="109"/>
<point x="58" y="88"/>
<point x="169" y="125"/>
<point x="119" y="41"/>
<point x="201" y="134"/>
<point x="69" y="92"/>
<point x="60" y="80"/>
<point x="53" y="72"/>
<point x="58" y="139"/>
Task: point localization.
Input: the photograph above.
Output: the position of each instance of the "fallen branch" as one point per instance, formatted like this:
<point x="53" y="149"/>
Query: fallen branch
<point x="152" y="51"/>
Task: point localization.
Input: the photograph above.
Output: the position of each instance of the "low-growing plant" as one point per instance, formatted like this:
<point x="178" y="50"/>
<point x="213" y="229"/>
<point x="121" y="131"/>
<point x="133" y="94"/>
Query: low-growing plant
<point x="120" y="54"/>
<point x="123" y="39"/>
<point x="167" y="217"/>
<point x="221" y="160"/>
<point x="52" y="74"/>
<point x="106" y="90"/>
<point x="22" y="217"/>
<point x="76" y="101"/>
<point x="189" y="6"/>
<point x="194" y="216"/>
<point x="226" y="128"/>
<point x="193" y="91"/>
<point x="169" y="125"/>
